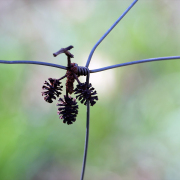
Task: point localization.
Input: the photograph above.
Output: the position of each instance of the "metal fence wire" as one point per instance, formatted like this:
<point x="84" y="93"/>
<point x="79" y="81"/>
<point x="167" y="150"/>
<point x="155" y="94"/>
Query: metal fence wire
<point x="86" y="72"/>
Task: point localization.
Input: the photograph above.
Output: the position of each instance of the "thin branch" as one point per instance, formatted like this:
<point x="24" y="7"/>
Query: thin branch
<point x="34" y="62"/>
<point x="108" y="31"/>
<point x="135" y="62"/>
<point x="87" y="132"/>
<point x="62" y="77"/>
<point x="64" y="50"/>
<point x="67" y="93"/>
<point x="75" y="76"/>
<point x="69" y="62"/>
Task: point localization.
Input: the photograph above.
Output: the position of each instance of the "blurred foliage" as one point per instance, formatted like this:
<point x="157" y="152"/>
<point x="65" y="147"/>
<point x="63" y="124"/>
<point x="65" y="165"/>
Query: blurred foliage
<point x="134" y="128"/>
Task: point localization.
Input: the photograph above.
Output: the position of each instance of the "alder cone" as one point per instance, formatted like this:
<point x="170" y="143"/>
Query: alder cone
<point x="86" y="93"/>
<point x="68" y="109"/>
<point x="52" y="89"/>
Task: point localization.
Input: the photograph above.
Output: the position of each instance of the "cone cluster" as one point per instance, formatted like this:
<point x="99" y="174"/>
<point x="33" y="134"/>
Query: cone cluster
<point x="67" y="106"/>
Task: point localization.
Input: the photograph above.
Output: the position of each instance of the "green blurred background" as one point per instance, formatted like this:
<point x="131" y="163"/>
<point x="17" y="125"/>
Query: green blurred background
<point x="135" y="125"/>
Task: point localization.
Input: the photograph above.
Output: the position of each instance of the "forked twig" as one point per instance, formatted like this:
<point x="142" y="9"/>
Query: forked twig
<point x="64" y="50"/>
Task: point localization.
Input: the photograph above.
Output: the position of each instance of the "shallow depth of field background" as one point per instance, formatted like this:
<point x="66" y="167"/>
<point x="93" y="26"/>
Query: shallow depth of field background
<point x="135" y="125"/>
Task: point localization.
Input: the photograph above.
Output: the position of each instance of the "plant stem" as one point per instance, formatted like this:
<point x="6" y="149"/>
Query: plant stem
<point x="66" y="93"/>
<point x="69" y="61"/>
<point x="75" y="76"/>
<point x="62" y="77"/>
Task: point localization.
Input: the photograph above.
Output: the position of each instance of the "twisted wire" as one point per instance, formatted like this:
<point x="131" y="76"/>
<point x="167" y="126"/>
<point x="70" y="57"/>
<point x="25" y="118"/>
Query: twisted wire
<point x="82" y="71"/>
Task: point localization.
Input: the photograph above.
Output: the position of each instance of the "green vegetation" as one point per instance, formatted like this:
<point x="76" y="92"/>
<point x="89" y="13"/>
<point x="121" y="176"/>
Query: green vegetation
<point x="134" y="127"/>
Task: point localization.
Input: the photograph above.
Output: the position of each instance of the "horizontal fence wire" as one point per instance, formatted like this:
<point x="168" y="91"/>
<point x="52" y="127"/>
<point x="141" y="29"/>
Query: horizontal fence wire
<point x="135" y="62"/>
<point x="33" y="62"/>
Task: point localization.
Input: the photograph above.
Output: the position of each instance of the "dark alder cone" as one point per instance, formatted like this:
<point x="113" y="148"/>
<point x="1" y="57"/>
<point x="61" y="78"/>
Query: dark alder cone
<point x="86" y="93"/>
<point x="52" y="89"/>
<point x="68" y="109"/>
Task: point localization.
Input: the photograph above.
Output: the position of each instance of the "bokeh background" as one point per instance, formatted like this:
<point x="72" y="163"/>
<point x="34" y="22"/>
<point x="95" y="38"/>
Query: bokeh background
<point x="135" y="125"/>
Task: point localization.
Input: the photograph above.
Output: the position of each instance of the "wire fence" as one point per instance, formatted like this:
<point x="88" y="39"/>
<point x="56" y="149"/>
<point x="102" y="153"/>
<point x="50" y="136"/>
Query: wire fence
<point x="86" y="72"/>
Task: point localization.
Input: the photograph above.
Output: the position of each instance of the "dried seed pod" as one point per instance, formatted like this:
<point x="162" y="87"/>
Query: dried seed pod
<point x="52" y="89"/>
<point x="70" y="77"/>
<point x="68" y="109"/>
<point x="86" y="93"/>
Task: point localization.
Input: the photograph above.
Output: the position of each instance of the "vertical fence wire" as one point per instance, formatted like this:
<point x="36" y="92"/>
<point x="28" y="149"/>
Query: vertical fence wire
<point x="87" y="132"/>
